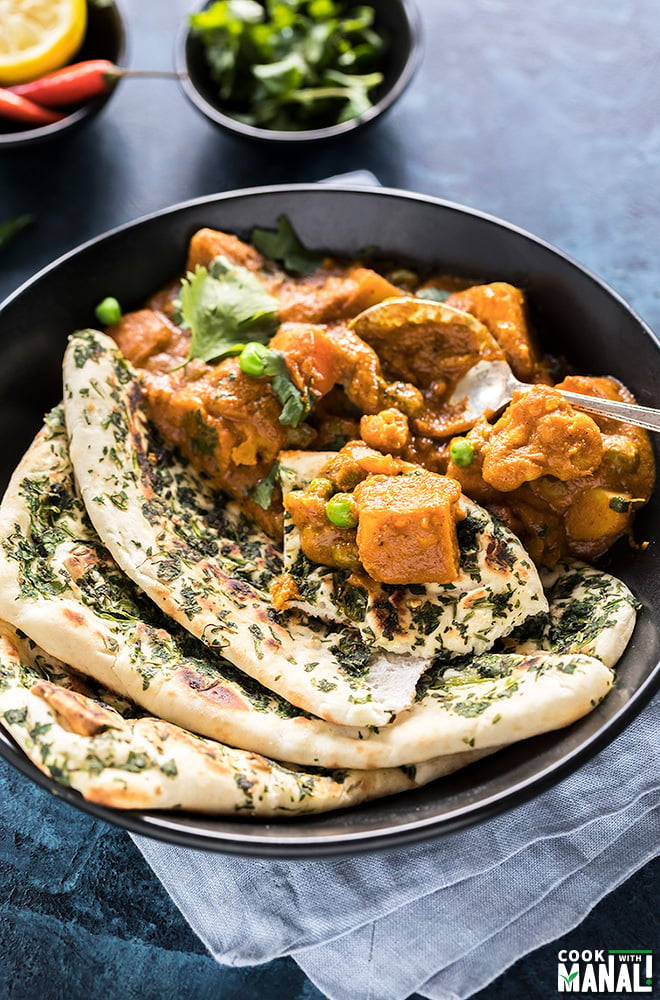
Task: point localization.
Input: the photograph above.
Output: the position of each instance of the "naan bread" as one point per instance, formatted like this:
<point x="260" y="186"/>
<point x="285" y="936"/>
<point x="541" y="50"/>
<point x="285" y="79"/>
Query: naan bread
<point x="591" y="612"/>
<point x="83" y="741"/>
<point x="200" y="562"/>
<point x="60" y="586"/>
<point x="497" y="588"/>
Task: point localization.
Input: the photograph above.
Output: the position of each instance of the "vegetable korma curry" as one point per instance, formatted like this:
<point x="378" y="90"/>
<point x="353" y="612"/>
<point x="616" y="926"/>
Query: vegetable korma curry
<point x="261" y="561"/>
<point x="365" y="358"/>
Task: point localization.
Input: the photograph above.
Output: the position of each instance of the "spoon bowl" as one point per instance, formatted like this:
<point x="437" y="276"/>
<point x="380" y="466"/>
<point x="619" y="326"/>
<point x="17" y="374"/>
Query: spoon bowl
<point x="489" y="385"/>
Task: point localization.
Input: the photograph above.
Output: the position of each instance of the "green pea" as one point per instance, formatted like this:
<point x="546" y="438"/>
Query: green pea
<point x="461" y="452"/>
<point x="403" y="276"/>
<point x="620" y="504"/>
<point x="323" y="487"/>
<point x="257" y="360"/>
<point x="253" y="359"/>
<point x="340" y="511"/>
<point x="433" y="294"/>
<point x="108" y="311"/>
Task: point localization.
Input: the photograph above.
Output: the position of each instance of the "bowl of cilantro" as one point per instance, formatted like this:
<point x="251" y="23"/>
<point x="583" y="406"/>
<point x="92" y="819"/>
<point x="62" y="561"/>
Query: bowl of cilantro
<point x="300" y="70"/>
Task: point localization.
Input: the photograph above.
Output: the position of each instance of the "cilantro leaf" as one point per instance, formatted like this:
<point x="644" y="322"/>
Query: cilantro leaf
<point x="282" y="76"/>
<point x="257" y="361"/>
<point x="294" y="407"/>
<point x="224" y="307"/>
<point x="356" y="91"/>
<point x="11" y="227"/>
<point x="283" y="245"/>
<point x="224" y="26"/>
<point x="262" y="494"/>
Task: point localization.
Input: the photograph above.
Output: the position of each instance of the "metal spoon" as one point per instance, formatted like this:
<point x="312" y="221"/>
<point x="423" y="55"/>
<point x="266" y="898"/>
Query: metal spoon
<point x="488" y="386"/>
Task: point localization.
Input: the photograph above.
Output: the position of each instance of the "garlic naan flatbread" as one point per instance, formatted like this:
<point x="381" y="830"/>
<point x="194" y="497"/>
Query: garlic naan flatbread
<point x="130" y="761"/>
<point x="60" y="586"/>
<point x="193" y="555"/>
<point x="198" y="559"/>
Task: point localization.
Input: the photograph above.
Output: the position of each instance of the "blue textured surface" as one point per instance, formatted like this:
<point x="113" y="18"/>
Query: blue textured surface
<point x="82" y="915"/>
<point x="545" y="114"/>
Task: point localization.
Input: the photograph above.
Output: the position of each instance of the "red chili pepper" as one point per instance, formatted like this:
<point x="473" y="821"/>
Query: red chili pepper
<point x="20" y="109"/>
<point x="71" y="84"/>
<point x="79" y="82"/>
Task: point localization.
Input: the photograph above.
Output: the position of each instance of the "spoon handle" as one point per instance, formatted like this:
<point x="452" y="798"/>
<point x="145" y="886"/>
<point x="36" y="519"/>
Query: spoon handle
<point x="629" y="413"/>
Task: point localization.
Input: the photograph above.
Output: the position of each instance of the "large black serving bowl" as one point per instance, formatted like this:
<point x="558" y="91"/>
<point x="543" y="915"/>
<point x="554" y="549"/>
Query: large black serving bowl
<point x="575" y="313"/>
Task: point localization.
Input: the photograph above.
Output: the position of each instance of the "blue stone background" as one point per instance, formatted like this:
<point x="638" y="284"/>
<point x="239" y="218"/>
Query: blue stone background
<point x="546" y="114"/>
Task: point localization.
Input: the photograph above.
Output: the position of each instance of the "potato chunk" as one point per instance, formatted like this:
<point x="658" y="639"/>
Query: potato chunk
<point x="332" y="293"/>
<point x="207" y="244"/>
<point x="598" y="513"/>
<point x="425" y="342"/>
<point x="149" y="340"/>
<point x="407" y="527"/>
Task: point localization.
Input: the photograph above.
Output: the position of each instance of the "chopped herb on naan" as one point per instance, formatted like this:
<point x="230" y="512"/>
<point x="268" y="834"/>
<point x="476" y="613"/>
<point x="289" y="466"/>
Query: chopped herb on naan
<point x="590" y="612"/>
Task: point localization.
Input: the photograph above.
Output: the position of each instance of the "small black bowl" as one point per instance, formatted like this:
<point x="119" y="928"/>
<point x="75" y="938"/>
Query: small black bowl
<point x="399" y="19"/>
<point x="104" y="39"/>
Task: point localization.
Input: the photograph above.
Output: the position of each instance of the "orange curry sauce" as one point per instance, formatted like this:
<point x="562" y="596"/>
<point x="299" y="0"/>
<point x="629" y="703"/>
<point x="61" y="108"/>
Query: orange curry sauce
<point x="380" y="363"/>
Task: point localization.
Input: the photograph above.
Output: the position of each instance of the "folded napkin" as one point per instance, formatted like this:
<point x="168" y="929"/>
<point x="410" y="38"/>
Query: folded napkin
<point x="442" y="918"/>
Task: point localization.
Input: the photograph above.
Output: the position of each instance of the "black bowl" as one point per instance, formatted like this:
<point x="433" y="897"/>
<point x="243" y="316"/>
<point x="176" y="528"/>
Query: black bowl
<point x="575" y="313"/>
<point x="398" y="18"/>
<point x="104" y="39"/>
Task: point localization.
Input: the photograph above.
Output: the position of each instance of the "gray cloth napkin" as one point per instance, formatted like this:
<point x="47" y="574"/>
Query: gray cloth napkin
<point x="444" y="918"/>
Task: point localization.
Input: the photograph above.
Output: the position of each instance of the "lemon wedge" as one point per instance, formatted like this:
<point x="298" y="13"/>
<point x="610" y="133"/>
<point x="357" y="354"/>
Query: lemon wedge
<point x="38" y="36"/>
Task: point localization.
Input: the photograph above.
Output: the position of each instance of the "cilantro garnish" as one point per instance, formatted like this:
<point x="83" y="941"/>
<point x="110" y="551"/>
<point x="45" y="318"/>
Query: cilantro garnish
<point x="12" y="227"/>
<point x="283" y="245"/>
<point x="262" y="494"/>
<point x="292" y="64"/>
<point x="620" y="504"/>
<point x="224" y="307"/>
<point x="257" y="360"/>
<point x="294" y="407"/>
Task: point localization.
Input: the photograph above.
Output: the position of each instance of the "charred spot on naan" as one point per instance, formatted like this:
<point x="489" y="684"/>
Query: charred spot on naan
<point x="74" y="617"/>
<point x="212" y="689"/>
<point x="498" y="556"/>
